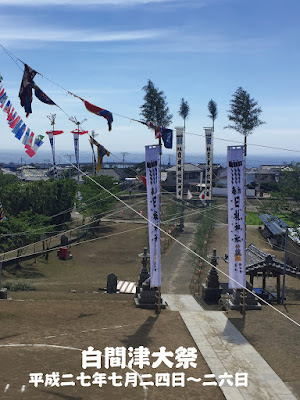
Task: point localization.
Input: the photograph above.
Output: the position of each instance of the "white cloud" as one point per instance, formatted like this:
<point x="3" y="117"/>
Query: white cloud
<point x="47" y="34"/>
<point x="82" y="3"/>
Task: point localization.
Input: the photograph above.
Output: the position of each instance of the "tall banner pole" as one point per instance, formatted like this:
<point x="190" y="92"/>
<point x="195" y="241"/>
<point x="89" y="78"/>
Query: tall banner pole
<point x="209" y="163"/>
<point x="152" y="161"/>
<point x="76" y="149"/>
<point x="51" y="135"/>
<point x="180" y="170"/>
<point x="179" y="161"/>
<point x="236" y="217"/>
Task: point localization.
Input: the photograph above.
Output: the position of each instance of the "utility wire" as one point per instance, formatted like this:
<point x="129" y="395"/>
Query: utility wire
<point x="190" y="250"/>
<point x="133" y="119"/>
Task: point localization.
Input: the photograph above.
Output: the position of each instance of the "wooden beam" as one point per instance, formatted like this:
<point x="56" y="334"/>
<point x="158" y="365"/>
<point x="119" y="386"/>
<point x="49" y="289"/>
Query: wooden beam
<point x="278" y="289"/>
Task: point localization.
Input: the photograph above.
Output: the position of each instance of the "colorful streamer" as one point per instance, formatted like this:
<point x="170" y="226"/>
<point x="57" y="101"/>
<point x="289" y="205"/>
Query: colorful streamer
<point x="16" y="124"/>
<point x="101" y="152"/>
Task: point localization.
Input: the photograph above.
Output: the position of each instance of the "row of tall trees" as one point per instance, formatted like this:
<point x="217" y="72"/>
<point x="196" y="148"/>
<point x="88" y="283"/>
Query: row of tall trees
<point x="33" y="208"/>
<point x="244" y="112"/>
<point x="244" y="117"/>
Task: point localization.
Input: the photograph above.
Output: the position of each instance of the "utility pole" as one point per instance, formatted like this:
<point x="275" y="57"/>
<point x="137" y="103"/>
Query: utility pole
<point x="124" y="153"/>
<point x="284" y="267"/>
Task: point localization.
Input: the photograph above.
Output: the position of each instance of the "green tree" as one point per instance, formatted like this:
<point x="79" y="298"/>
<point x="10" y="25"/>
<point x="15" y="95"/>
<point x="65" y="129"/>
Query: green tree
<point x="155" y="108"/>
<point x="32" y="226"/>
<point x="244" y="113"/>
<point x="184" y="110"/>
<point x="213" y="112"/>
<point x="104" y="201"/>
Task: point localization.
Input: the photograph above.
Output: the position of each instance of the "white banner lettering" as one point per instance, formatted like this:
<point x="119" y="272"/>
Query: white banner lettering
<point x="209" y="163"/>
<point x="152" y="161"/>
<point x="179" y="161"/>
<point x="236" y="217"/>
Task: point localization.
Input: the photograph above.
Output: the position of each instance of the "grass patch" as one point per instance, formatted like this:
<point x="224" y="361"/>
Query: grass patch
<point x="19" y="286"/>
<point x="252" y="218"/>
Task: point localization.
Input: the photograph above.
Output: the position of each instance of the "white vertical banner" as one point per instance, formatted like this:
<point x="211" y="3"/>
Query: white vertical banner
<point x="152" y="161"/>
<point x="179" y="161"/>
<point x="236" y="217"/>
<point x="76" y="148"/>
<point x="51" y="139"/>
<point x="209" y="162"/>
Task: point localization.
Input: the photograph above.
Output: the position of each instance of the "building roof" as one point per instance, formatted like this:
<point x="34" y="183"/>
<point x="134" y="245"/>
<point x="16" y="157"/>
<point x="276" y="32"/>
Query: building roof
<point x="263" y="171"/>
<point x="275" y="225"/>
<point x="257" y="260"/>
<point x="109" y="172"/>
<point x="187" y="168"/>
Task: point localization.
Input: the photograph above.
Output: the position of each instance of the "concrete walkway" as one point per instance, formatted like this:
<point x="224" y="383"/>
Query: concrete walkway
<point x="225" y="349"/>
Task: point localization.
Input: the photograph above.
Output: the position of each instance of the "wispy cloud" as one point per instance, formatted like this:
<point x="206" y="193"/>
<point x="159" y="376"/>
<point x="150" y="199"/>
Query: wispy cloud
<point x="41" y="3"/>
<point x="44" y="34"/>
<point x="214" y="44"/>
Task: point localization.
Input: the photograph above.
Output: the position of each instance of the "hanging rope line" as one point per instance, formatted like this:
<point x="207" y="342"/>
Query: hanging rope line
<point x="187" y="248"/>
<point x="12" y="56"/>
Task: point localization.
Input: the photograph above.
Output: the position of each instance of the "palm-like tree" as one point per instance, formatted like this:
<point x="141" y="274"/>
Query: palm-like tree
<point x="213" y="112"/>
<point x="184" y="110"/>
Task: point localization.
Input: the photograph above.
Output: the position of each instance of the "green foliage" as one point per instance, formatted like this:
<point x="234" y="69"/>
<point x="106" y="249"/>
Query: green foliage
<point x="103" y="201"/>
<point x="244" y="113"/>
<point x="29" y="208"/>
<point x="6" y="180"/>
<point x="270" y="187"/>
<point x="252" y="218"/>
<point x="42" y="197"/>
<point x="213" y="111"/>
<point x="32" y="225"/>
<point x="16" y="286"/>
<point x="184" y="110"/>
<point x="155" y="108"/>
<point x="204" y="229"/>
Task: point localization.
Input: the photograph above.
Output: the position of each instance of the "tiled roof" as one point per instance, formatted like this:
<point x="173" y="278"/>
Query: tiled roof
<point x="276" y="225"/>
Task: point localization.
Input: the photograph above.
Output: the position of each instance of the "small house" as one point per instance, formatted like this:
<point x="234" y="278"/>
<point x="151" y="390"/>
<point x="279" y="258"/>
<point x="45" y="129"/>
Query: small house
<point x="274" y="230"/>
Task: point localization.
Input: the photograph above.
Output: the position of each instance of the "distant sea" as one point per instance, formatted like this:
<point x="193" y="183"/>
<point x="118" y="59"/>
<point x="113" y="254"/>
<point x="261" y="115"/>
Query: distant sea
<point x="20" y="157"/>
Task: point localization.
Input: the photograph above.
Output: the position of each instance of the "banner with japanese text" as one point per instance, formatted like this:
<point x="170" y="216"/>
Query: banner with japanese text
<point x="209" y="163"/>
<point x="179" y="161"/>
<point x="236" y="217"/>
<point x="152" y="161"/>
<point x="76" y="148"/>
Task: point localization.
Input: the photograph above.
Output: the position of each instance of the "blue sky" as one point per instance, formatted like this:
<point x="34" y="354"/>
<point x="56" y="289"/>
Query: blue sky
<point x="106" y="50"/>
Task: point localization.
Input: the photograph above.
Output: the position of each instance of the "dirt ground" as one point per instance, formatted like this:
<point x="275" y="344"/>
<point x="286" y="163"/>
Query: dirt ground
<point x="44" y="331"/>
<point x="55" y="316"/>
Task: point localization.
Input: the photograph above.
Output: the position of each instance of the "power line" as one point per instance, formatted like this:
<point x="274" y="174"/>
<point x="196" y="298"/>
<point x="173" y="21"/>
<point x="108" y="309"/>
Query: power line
<point x="190" y="250"/>
<point x="133" y="119"/>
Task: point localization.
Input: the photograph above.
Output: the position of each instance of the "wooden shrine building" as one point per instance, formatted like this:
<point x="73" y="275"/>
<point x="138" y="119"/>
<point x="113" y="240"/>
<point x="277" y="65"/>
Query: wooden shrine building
<point x="261" y="264"/>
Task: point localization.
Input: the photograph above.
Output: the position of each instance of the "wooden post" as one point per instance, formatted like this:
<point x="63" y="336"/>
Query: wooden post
<point x="1" y="261"/>
<point x="278" y="288"/>
<point x="244" y="302"/>
<point x="251" y="280"/>
<point x="158" y="311"/>
<point x="264" y="281"/>
<point x="245" y="210"/>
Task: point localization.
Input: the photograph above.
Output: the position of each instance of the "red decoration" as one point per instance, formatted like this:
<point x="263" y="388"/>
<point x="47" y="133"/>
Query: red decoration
<point x="79" y="132"/>
<point x="54" y="132"/>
